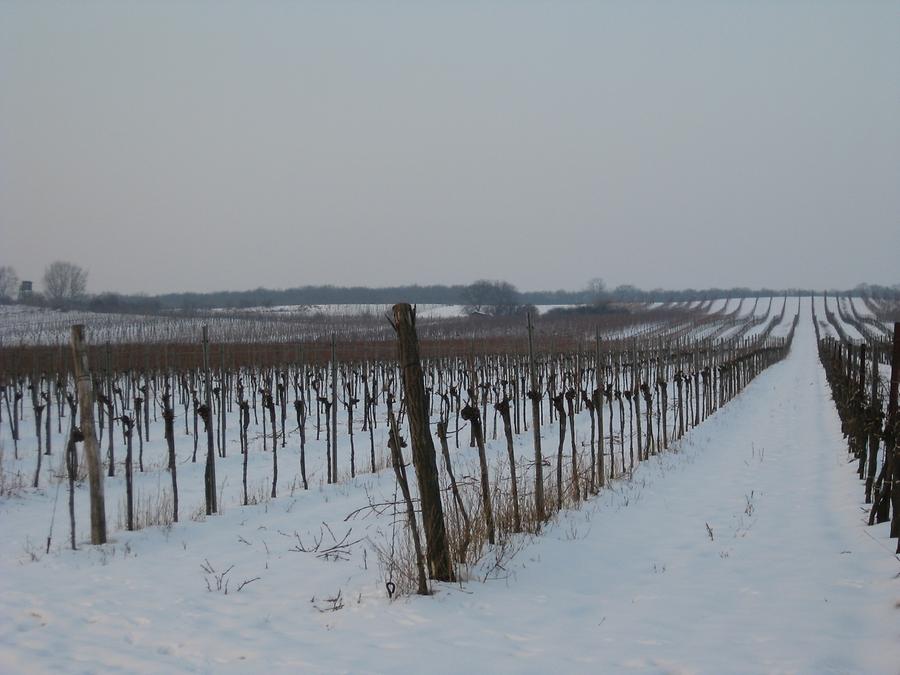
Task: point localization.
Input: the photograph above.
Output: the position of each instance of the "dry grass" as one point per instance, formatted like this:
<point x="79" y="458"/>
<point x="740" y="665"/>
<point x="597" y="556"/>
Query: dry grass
<point x="475" y="557"/>
<point x="150" y="509"/>
<point x="11" y="484"/>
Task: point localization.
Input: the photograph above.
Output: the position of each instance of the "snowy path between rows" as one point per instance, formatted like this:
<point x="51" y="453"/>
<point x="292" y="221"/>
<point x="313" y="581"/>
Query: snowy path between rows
<point x="743" y="552"/>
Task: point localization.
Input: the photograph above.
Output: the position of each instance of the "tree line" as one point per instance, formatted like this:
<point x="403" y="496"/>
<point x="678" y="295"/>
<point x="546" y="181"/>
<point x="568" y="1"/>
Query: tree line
<point x="65" y="286"/>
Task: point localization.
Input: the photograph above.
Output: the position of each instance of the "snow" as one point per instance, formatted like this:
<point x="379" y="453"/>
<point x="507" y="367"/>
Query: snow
<point x="23" y="325"/>
<point x="744" y="551"/>
<point x="718" y="305"/>
<point x="862" y="308"/>
<point x="762" y="307"/>
<point x="825" y="327"/>
<point x="764" y="315"/>
<point x="850" y="330"/>
<point x="426" y="311"/>
<point x="431" y="311"/>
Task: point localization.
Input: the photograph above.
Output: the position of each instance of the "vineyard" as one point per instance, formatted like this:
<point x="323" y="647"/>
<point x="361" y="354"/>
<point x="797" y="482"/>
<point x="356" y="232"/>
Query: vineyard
<point x="861" y="358"/>
<point x="312" y="466"/>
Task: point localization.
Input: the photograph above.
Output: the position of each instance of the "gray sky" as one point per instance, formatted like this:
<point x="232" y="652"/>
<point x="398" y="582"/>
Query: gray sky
<point x="201" y="146"/>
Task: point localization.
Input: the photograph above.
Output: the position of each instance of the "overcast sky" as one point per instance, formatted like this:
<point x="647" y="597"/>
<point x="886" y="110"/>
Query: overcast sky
<point x="203" y="146"/>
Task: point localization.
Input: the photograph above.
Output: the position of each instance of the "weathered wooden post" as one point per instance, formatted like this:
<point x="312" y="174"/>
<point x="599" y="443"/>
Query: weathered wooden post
<point x="535" y="397"/>
<point x="439" y="562"/>
<point x="210" y="474"/>
<point x="169" y="423"/>
<point x="91" y="446"/>
<point x="111" y="412"/>
<point x="598" y="404"/>
<point x="127" y="428"/>
<point x="636" y="375"/>
<point x="334" y="409"/>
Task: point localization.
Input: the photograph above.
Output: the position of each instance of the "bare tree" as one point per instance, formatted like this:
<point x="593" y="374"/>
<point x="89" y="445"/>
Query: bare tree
<point x="596" y="289"/>
<point x="496" y="298"/>
<point x="9" y="282"/>
<point x="64" y="282"/>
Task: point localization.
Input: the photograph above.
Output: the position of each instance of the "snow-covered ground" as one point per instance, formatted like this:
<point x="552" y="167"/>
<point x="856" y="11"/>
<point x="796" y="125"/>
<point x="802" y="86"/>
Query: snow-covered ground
<point x="347" y="310"/>
<point x="762" y="307"/>
<point x="719" y="305"/>
<point x="21" y="324"/>
<point x="862" y="308"/>
<point x="842" y="304"/>
<point x="425" y="311"/>
<point x="764" y="314"/>
<point x="825" y="326"/>
<point x="742" y="552"/>
<point x="25" y="325"/>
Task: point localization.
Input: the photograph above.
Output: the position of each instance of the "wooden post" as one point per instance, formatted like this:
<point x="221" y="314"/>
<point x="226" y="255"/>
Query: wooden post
<point x="111" y="413"/>
<point x="636" y="375"/>
<point x="598" y="404"/>
<point x="146" y="394"/>
<point x="334" y="409"/>
<point x="169" y="422"/>
<point x="91" y="446"/>
<point x="535" y="396"/>
<point x="127" y="427"/>
<point x="210" y="474"/>
<point x="222" y="394"/>
<point x="423" y="452"/>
